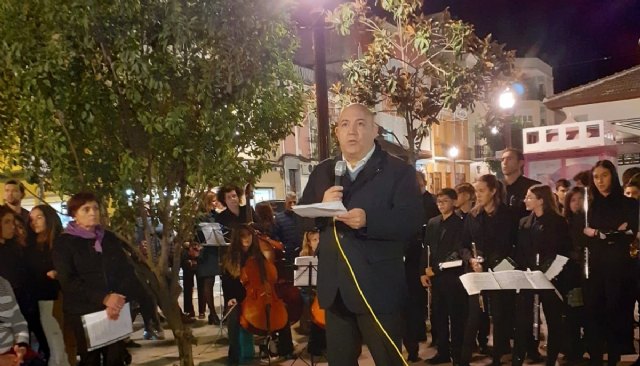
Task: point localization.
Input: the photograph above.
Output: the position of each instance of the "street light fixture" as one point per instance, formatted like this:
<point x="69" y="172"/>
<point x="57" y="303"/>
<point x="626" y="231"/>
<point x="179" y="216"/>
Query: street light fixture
<point x="506" y="101"/>
<point x="453" y="154"/>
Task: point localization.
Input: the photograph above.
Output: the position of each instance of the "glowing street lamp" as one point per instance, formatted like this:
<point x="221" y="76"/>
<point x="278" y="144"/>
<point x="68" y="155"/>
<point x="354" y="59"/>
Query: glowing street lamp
<point x="453" y="154"/>
<point x="506" y="101"/>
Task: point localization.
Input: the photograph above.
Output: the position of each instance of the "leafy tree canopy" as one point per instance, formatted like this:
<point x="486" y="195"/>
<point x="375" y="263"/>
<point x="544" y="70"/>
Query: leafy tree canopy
<point x="158" y="97"/>
<point x="416" y="65"/>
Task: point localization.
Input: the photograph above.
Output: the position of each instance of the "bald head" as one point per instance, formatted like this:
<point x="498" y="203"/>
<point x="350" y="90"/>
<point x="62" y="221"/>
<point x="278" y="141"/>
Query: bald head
<point x="356" y="132"/>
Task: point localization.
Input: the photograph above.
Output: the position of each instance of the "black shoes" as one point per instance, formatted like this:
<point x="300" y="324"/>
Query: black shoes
<point x="438" y="359"/>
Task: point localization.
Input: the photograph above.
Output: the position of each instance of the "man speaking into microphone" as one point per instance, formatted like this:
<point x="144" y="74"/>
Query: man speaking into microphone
<point x="384" y="212"/>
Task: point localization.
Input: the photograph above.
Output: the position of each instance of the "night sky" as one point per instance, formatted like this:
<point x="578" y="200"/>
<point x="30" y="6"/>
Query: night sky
<point x="573" y="36"/>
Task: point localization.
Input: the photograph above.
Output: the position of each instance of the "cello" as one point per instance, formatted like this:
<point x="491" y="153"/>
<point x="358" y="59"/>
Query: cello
<point x="275" y="252"/>
<point x="262" y="311"/>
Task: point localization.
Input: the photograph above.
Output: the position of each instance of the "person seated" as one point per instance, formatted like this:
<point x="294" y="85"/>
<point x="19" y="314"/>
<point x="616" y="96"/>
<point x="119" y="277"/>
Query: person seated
<point x="14" y="332"/>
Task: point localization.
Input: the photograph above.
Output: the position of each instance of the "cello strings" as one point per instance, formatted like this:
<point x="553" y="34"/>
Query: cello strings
<point x="355" y="280"/>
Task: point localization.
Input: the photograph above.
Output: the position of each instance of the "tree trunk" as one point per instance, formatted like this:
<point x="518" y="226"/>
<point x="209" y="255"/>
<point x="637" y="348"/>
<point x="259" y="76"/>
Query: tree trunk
<point x="182" y="332"/>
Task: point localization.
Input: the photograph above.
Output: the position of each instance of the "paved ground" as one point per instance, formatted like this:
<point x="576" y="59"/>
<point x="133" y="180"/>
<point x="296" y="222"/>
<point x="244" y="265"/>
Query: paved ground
<point x="212" y="348"/>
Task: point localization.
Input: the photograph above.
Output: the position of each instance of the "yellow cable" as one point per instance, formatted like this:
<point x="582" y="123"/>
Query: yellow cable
<point x="355" y="280"/>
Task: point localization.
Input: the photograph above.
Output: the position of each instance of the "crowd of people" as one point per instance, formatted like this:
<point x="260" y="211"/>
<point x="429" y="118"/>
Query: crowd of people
<point x="387" y="266"/>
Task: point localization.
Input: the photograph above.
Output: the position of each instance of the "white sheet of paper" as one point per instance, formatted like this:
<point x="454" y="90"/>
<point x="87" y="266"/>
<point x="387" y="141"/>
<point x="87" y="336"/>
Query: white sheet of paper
<point x="474" y="282"/>
<point x="450" y="264"/>
<point x="556" y="267"/>
<point x="322" y="209"/>
<point x="301" y="274"/>
<point x="102" y="331"/>
<point x="512" y="280"/>
<point x="504" y="265"/>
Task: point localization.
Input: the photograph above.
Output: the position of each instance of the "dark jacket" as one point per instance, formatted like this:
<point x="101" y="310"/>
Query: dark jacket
<point x="289" y="230"/>
<point x="547" y="235"/>
<point x="386" y="189"/>
<point x="610" y="256"/>
<point x="87" y="277"/>
<point x="229" y="220"/>
<point x="494" y="235"/>
<point x="39" y="262"/>
<point x="445" y="240"/>
<point x="12" y="265"/>
<point x="516" y="193"/>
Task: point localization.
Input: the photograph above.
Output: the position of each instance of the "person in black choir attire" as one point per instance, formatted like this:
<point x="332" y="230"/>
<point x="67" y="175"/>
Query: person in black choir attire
<point x="493" y="229"/>
<point x="541" y="236"/>
<point x="573" y="275"/>
<point x="465" y="202"/>
<point x="515" y="183"/>
<point x="384" y="213"/>
<point x="415" y="328"/>
<point x="444" y="236"/>
<point x="612" y="226"/>
<point x="562" y="187"/>
<point x="235" y="214"/>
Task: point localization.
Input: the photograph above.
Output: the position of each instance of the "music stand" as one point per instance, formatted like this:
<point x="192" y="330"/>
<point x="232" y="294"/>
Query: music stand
<point x="305" y="276"/>
<point x="212" y="237"/>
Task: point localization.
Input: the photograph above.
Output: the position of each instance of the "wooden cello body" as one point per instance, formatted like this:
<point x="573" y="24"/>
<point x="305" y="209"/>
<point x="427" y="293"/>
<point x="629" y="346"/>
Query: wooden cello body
<point x="262" y="311"/>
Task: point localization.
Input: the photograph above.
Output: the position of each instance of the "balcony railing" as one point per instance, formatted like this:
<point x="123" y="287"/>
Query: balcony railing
<point x="578" y="135"/>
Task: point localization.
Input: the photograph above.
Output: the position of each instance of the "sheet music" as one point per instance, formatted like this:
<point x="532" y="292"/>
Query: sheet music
<point x="101" y="331"/>
<point x="556" y="267"/>
<point x="474" y="282"/>
<point x="323" y="209"/>
<point x="513" y="280"/>
<point x="212" y="232"/>
<point x="301" y="274"/>
<point x="504" y="265"/>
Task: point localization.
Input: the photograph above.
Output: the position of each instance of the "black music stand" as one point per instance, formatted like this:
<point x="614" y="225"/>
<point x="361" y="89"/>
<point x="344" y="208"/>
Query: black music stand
<point x="305" y="276"/>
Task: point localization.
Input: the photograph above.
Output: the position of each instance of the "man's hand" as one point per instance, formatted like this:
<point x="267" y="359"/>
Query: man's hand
<point x="333" y="194"/>
<point x="232" y="302"/>
<point x="355" y="218"/>
<point x="590" y="232"/>
<point x="52" y="274"/>
<point x="429" y="272"/>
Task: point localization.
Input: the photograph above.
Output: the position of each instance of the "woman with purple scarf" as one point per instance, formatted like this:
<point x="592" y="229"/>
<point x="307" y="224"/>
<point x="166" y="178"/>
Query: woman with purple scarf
<point x="95" y="273"/>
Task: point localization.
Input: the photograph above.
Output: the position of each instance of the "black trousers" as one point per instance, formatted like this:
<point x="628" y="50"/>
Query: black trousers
<point x="524" y="341"/>
<point x="502" y="304"/>
<point x="346" y="331"/>
<point x="188" y="283"/>
<point x="449" y="313"/>
<point x="605" y="317"/>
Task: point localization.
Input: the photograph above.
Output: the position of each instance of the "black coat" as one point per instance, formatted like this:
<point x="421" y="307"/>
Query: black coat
<point x="39" y="262"/>
<point x="445" y="240"/>
<point x="516" y="193"/>
<point x="494" y="235"/>
<point x="547" y="235"/>
<point x="87" y="277"/>
<point x="386" y="189"/>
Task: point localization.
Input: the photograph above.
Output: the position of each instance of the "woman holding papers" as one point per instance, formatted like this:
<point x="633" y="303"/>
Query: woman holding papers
<point x="95" y="274"/>
<point x="542" y="236"/>
<point x="489" y="234"/>
<point x="612" y="223"/>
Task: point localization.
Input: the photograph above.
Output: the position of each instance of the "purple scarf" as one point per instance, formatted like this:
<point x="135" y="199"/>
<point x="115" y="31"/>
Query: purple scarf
<point x="97" y="234"/>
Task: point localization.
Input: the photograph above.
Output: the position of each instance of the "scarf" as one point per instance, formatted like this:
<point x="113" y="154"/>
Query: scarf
<point x="98" y="234"/>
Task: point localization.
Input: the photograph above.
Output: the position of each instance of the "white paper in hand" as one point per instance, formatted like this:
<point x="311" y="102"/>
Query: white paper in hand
<point x="556" y="267"/>
<point x="101" y="331"/>
<point x="323" y="209"/>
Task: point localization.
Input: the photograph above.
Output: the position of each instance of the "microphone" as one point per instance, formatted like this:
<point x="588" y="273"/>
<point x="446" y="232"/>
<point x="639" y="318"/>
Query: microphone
<point x="339" y="170"/>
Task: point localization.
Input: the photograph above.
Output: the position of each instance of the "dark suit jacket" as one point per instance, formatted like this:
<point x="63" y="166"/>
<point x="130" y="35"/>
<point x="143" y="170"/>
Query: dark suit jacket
<point x="386" y="189"/>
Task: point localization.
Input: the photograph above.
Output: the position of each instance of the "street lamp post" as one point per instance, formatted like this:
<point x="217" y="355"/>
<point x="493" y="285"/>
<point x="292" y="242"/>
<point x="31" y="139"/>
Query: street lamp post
<point x="453" y="154"/>
<point x="506" y="101"/>
<point x="322" y="97"/>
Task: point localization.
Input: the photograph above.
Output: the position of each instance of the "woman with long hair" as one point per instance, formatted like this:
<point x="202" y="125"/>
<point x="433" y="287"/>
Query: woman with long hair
<point x="14" y="269"/>
<point x="310" y="241"/>
<point x="489" y="235"/>
<point x="46" y="227"/>
<point x="612" y="224"/>
<point x="541" y="237"/>
<point x="243" y="245"/>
